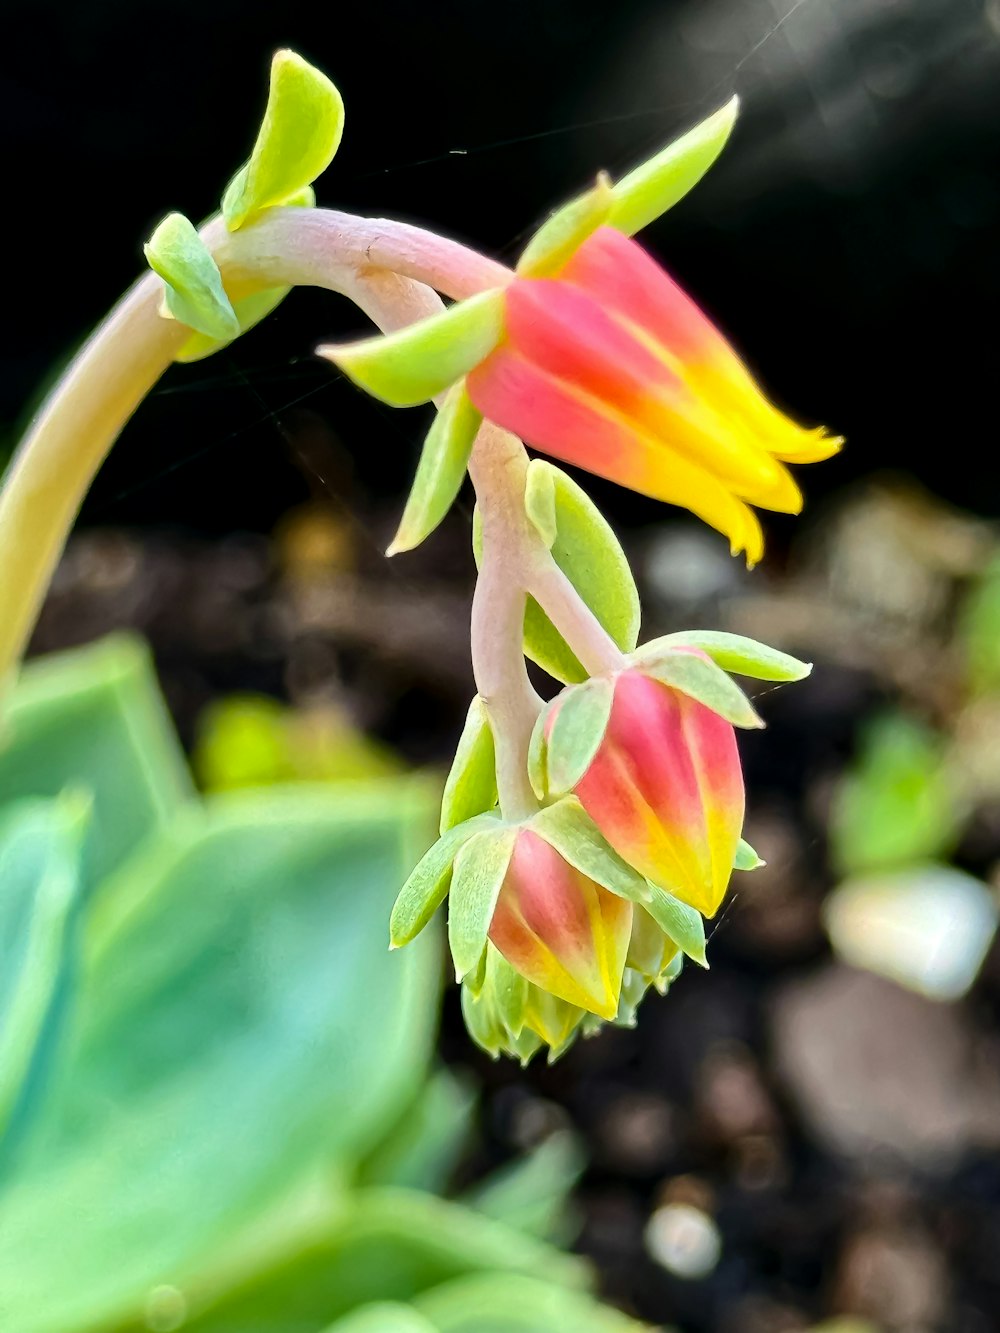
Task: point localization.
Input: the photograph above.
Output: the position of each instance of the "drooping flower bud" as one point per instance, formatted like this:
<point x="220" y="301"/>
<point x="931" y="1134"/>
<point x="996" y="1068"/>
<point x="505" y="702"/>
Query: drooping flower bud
<point x="507" y="1015"/>
<point x="664" y="783"/>
<point x="563" y="932"/>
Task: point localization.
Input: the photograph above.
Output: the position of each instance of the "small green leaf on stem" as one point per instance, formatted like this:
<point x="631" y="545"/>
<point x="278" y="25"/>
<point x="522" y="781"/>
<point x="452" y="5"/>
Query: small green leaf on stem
<point x="441" y="470"/>
<point x="299" y="135"/>
<point x="471" y="787"/>
<point x="422" y="360"/>
<point x="540" y="500"/>
<point x="655" y="186"/>
<point x="194" y="292"/>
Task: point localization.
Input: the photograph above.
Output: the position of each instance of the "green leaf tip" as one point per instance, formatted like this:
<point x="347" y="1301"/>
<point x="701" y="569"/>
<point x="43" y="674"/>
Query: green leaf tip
<point x="577" y="733"/>
<point x="441" y="470"/>
<point x="564" y="232"/>
<point x="746" y="858"/>
<point x="653" y="187"/>
<point x="471" y="788"/>
<point x="193" y="290"/>
<point x="298" y="139"/>
<point x="412" y="366"/>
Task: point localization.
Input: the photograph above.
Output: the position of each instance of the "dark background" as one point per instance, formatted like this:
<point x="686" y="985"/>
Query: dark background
<point x="847" y="241"/>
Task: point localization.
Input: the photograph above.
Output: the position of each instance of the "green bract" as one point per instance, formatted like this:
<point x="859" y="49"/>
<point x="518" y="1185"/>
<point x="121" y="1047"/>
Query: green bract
<point x="732" y="652"/>
<point x="655" y="186"/>
<point x="299" y="135"/>
<point x="557" y="239"/>
<point x="427" y="886"/>
<point x="480" y="867"/>
<point x="700" y="678"/>
<point x="441" y="471"/>
<point x="414" y="365"/>
<point x="681" y="923"/>
<point x="568" y="828"/>
<point x="194" y="293"/>
<point x="577" y="732"/>
<point x="471" y="787"/>
<point x="746" y="857"/>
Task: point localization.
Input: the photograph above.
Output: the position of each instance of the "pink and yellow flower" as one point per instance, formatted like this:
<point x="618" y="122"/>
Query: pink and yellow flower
<point x="561" y="931"/>
<point x="665" y="788"/>
<point x="610" y="366"/>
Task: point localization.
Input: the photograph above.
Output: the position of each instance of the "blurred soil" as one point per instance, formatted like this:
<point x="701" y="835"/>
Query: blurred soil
<point x="781" y="1139"/>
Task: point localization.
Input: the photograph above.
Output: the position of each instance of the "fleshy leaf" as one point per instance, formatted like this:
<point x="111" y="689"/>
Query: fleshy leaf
<point x="732" y="652"/>
<point x="746" y="857"/>
<point x="588" y="552"/>
<point x="577" y="732"/>
<point x="655" y="186"/>
<point x="568" y="828"/>
<point x="538" y="750"/>
<point x="701" y="679"/>
<point x="540" y="500"/>
<point x="427" y="887"/>
<point x="194" y="294"/>
<point x="441" y="470"/>
<point x="683" y="924"/>
<point x="422" y="360"/>
<point x="383" y="1317"/>
<point x="480" y="867"/>
<point x="561" y="235"/>
<point x="40" y="872"/>
<point x="471" y="787"/>
<point x="299" y="135"/>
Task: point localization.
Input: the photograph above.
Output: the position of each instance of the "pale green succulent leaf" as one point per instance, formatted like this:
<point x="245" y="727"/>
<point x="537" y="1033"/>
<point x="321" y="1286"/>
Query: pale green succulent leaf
<point x="479" y="871"/>
<point x="298" y="138"/>
<point x="701" y="679"/>
<point x="441" y="470"/>
<point x="683" y="924"/>
<point x="577" y="732"/>
<point x="568" y="828"/>
<point x="655" y="186"/>
<point x="732" y="652"/>
<point x="427" y="886"/>
<point x="193" y="290"/>
<point x="540" y="500"/>
<point x="415" y="364"/>
<point x="564" y="232"/>
<point x="471" y="787"/>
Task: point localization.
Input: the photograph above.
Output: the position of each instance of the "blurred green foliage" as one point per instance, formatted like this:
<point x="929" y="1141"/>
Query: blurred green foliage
<point x="217" y="1107"/>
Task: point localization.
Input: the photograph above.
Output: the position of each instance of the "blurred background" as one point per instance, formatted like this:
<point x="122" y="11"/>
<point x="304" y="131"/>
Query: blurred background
<point x="812" y="1128"/>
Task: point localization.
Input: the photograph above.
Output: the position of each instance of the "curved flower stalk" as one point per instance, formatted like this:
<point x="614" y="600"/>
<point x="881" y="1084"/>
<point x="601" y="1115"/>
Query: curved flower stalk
<point x="582" y="841"/>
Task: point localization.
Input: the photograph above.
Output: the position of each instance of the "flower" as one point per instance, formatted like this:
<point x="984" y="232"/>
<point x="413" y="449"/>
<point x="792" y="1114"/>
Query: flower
<point x="559" y="930"/>
<point x="665" y="787"/>
<point x="610" y="366"/>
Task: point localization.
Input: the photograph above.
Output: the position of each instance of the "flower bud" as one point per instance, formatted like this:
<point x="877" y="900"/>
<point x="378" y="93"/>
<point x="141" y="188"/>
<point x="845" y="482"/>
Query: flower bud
<point x="507" y="1015"/>
<point x="665" y="788"/>
<point x="560" y="930"/>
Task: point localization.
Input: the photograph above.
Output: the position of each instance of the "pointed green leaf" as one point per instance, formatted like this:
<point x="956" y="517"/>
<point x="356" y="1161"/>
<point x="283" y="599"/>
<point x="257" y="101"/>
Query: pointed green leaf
<point x="480" y="867"/>
<point x="568" y="828"/>
<point x="588" y="552"/>
<point x="732" y="652"/>
<point x="424" y="359"/>
<point x="299" y="135"/>
<point x="564" y="232"/>
<point x="701" y="679"/>
<point x="441" y="470"/>
<point x="471" y="787"/>
<point x="655" y="186"/>
<point x="681" y="923"/>
<point x="577" y="732"/>
<point x="427" y="887"/>
<point x="538" y="749"/>
<point x="540" y="500"/>
<point x="250" y="310"/>
<point x="194" y="293"/>
<point x="746" y="857"/>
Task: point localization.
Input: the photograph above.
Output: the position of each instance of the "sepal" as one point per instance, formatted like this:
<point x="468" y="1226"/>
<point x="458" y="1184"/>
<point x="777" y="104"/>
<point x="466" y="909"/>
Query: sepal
<point x="564" y="232"/>
<point x="692" y="673"/>
<point x="479" y="870"/>
<point x="422" y="360"/>
<point x="733" y="652"/>
<point x="193" y="290"/>
<point x="427" y="887"/>
<point x="441" y="470"/>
